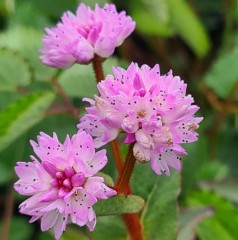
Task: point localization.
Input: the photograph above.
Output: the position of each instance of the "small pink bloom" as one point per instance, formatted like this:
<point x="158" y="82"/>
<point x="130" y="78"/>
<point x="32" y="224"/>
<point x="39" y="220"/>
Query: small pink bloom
<point x="152" y="109"/>
<point x="61" y="186"/>
<point x="78" y="38"/>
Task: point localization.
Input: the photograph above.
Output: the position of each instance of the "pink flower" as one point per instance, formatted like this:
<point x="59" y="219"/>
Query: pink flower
<point x="152" y="109"/>
<point x="78" y="38"/>
<point x="61" y="186"/>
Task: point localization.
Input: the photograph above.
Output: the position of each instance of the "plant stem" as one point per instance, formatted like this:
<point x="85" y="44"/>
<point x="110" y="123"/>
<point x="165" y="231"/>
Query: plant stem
<point x="116" y="153"/>
<point x="67" y="101"/>
<point x="131" y="221"/>
<point x="98" y="70"/>
<point x="125" y="176"/>
<point x="97" y="67"/>
<point x="133" y="225"/>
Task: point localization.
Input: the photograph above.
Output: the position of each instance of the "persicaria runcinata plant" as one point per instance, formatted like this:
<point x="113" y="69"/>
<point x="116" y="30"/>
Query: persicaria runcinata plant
<point x="149" y="110"/>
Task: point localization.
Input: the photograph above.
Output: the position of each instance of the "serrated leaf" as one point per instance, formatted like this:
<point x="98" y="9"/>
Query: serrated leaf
<point x="14" y="71"/>
<point x="223" y="75"/>
<point x="27" y="42"/>
<point x="159" y="216"/>
<point x="223" y="225"/>
<point x="189" y="218"/>
<point x="119" y="205"/>
<point x="79" y="80"/>
<point x="21" y="115"/>
<point x="188" y="26"/>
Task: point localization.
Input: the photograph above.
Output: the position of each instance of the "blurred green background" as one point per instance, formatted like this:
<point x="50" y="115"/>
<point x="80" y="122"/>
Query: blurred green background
<point x="198" y="40"/>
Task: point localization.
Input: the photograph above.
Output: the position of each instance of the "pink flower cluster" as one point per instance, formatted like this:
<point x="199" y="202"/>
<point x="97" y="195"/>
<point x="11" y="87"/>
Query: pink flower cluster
<point x="152" y="109"/>
<point x="77" y="38"/>
<point x="61" y="186"/>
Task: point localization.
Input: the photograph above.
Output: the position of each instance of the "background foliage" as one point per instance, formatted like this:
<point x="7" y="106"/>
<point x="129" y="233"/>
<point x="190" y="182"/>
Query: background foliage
<point x="198" y="39"/>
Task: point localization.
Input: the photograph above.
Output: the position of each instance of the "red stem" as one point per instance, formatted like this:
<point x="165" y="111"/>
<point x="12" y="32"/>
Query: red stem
<point x="133" y="225"/>
<point x="97" y="67"/>
<point x="131" y="221"/>
<point x="124" y="179"/>
<point x="116" y="152"/>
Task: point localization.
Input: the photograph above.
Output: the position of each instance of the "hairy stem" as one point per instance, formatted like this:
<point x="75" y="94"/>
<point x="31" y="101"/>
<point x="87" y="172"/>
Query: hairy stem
<point x="133" y="225"/>
<point x="123" y="181"/>
<point x="131" y="221"/>
<point x="98" y="70"/>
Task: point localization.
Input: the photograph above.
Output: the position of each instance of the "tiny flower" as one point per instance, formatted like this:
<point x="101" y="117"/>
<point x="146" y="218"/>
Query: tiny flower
<point x="153" y="111"/>
<point x="78" y="38"/>
<point x="61" y="186"/>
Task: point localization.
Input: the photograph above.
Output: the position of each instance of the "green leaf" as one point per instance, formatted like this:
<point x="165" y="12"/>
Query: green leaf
<point x="152" y="17"/>
<point x="228" y="190"/>
<point x="223" y="75"/>
<point x="213" y="171"/>
<point x="73" y="234"/>
<point x="223" y="225"/>
<point x="20" y="149"/>
<point x="50" y="9"/>
<point x="27" y="42"/>
<point x="196" y="158"/>
<point x="14" y="71"/>
<point x="107" y="179"/>
<point x="189" y="218"/>
<point x="91" y="3"/>
<point x="7" y="97"/>
<point x="79" y="80"/>
<point x="27" y="15"/>
<point x="46" y="235"/>
<point x="21" y="115"/>
<point x="188" y="26"/>
<point x="119" y="205"/>
<point x="109" y="227"/>
<point x="5" y="175"/>
<point x="159" y="216"/>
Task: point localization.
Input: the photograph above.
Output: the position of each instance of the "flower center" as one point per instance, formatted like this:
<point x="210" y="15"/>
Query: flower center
<point x="142" y="113"/>
<point x="64" y="180"/>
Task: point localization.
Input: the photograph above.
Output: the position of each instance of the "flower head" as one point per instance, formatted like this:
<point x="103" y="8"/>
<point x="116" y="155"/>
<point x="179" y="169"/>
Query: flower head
<point x="61" y="186"/>
<point x="78" y="38"/>
<point x="152" y="109"/>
